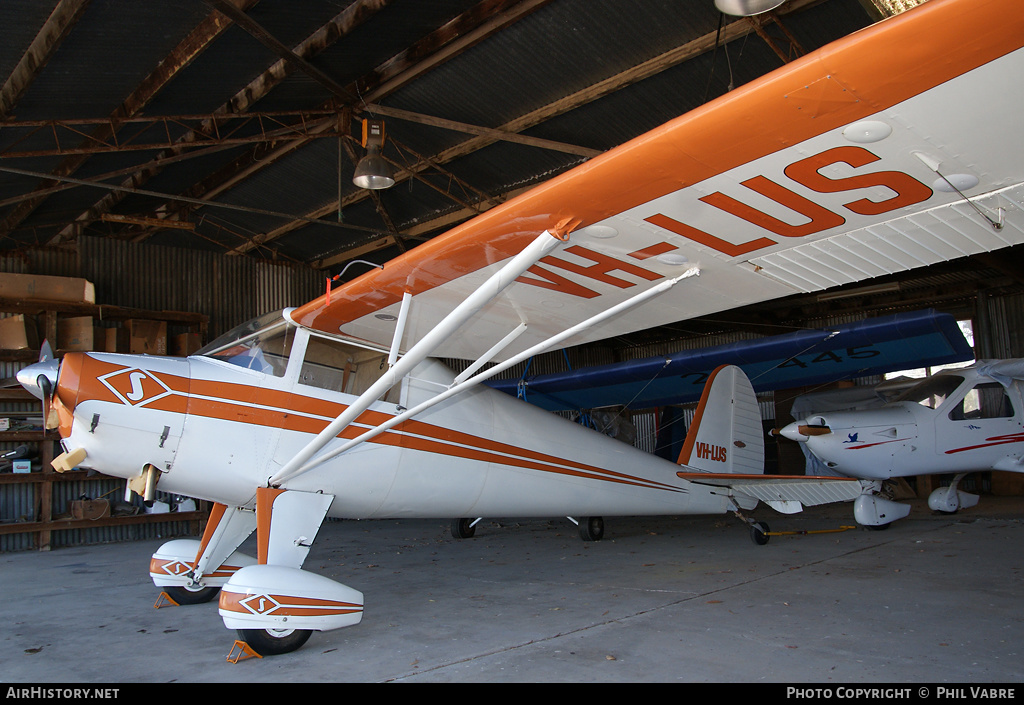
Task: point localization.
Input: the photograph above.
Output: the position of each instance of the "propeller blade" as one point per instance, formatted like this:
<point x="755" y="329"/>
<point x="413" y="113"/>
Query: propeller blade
<point x="50" y="418"/>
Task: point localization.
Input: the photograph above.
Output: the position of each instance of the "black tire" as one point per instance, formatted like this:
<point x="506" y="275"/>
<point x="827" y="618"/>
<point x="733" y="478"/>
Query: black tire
<point x="591" y="528"/>
<point x="879" y="527"/>
<point x="759" y="533"/>
<point x="272" y="642"/>
<point x="463" y="529"/>
<point x="191" y="595"/>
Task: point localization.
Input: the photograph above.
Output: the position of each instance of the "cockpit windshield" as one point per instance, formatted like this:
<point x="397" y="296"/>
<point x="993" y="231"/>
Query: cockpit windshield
<point x="262" y="344"/>
<point x="932" y="391"/>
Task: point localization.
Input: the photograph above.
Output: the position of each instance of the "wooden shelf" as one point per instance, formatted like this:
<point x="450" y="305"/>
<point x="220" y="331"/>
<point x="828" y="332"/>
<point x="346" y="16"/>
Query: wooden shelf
<point x="63" y="524"/>
<point x="102" y="312"/>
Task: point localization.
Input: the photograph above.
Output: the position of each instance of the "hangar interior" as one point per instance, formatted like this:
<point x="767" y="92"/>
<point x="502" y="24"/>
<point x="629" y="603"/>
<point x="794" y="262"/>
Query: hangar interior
<point x="194" y="161"/>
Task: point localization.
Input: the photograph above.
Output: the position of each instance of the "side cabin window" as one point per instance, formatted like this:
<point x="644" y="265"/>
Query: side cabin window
<point x="333" y="365"/>
<point x="984" y="401"/>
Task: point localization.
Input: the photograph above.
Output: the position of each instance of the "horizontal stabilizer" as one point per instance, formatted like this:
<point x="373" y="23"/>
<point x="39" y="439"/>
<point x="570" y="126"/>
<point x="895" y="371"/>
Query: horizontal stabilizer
<point x="777" y="490"/>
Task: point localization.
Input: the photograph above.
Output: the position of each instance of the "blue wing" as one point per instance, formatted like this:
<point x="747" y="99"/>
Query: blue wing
<point x="874" y="346"/>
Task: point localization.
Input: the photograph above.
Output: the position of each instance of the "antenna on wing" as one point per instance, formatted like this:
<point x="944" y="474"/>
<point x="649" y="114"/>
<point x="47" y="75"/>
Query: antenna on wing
<point x="344" y="269"/>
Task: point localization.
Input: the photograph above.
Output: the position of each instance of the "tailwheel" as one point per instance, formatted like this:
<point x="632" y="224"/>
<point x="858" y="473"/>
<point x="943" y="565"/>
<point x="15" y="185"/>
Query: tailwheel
<point x="271" y="642"/>
<point x="191" y="594"/>
<point x="759" y="533"/>
<point x="591" y="528"/>
<point x="463" y="528"/>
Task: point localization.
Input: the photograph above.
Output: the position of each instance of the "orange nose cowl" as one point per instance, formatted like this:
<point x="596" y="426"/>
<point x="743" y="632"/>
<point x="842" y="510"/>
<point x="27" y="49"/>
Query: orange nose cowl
<point x="68" y="383"/>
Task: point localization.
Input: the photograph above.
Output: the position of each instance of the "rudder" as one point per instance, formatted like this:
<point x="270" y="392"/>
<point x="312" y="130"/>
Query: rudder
<point x="726" y="434"/>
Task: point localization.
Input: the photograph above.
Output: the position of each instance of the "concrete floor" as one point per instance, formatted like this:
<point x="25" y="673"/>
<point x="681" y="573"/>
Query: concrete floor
<point x="934" y="599"/>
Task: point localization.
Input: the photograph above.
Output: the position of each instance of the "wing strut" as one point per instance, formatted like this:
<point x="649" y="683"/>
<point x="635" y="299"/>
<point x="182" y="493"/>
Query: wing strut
<point x="487" y="291"/>
<point x="461" y="385"/>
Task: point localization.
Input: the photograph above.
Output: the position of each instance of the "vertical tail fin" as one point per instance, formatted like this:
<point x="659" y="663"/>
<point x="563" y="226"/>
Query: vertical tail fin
<point x="726" y="434"/>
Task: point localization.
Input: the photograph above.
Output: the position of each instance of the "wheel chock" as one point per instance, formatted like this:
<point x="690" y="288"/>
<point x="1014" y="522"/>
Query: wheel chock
<point x="164" y="600"/>
<point x="244" y="651"/>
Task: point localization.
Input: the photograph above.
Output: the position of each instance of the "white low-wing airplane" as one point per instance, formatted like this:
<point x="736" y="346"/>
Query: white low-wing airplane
<point x="893" y="148"/>
<point x="956" y="422"/>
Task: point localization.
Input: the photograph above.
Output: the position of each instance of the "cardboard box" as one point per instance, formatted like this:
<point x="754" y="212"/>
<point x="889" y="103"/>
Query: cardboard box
<point x="18" y="332"/>
<point x="146" y="337"/>
<point x="75" y="333"/>
<point x="89" y="508"/>
<point x="37" y="286"/>
<point x="115" y="340"/>
<point x="185" y="344"/>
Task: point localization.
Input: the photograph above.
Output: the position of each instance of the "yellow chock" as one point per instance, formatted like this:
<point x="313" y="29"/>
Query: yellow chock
<point x="164" y="600"/>
<point x="244" y="651"/>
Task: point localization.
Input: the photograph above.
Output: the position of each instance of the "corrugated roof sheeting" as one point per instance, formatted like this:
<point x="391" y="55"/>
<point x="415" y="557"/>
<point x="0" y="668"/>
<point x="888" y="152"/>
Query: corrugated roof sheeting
<point x="555" y="51"/>
<point x="21" y="20"/>
<point x="107" y="33"/>
<point x="383" y="35"/>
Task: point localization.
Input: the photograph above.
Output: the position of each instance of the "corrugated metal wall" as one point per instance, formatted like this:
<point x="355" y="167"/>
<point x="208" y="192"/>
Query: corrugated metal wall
<point x="230" y="290"/>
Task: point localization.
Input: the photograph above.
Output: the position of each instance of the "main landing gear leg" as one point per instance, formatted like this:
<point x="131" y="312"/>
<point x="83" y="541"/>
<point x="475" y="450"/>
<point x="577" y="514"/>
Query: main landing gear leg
<point x="275" y="605"/>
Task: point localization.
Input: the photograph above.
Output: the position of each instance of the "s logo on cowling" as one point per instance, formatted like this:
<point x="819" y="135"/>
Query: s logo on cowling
<point x="135" y="387"/>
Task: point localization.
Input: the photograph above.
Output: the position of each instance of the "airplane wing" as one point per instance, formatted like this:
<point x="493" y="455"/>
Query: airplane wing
<point x="893" y="148"/>
<point x="1004" y="371"/>
<point x="807" y="357"/>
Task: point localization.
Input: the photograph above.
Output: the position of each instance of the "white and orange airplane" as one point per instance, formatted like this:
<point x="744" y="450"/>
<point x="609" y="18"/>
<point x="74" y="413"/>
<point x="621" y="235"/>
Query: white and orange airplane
<point x="893" y="148"/>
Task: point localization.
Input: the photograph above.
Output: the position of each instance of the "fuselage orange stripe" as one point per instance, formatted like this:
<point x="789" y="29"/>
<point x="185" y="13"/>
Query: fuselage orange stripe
<point x="295" y="412"/>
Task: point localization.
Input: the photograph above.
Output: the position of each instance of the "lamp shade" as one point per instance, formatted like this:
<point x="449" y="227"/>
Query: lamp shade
<point x="372" y="172"/>
<point x="744" y="8"/>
